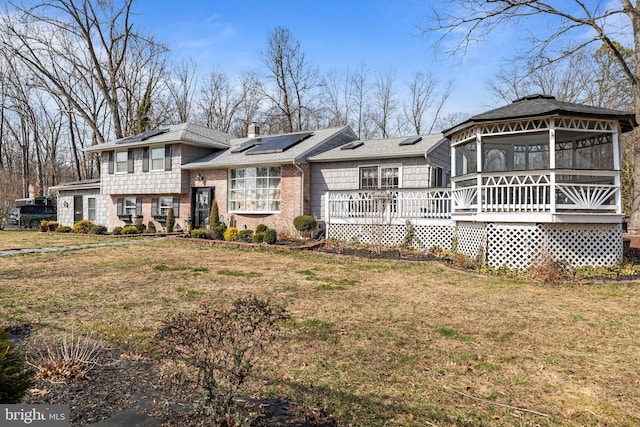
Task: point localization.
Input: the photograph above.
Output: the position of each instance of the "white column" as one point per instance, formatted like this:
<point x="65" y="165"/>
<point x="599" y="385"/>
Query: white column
<point x="552" y="165"/>
<point x="479" y="169"/>
<point x="617" y="166"/>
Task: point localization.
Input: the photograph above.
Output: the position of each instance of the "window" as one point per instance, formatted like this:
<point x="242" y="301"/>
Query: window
<point x="164" y="204"/>
<point x="122" y="161"/>
<point x="130" y="206"/>
<point x="437" y="176"/>
<point x="254" y="189"/>
<point x="369" y="178"/>
<point x="379" y="177"/>
<point x="91" y="208"/>
<point x="466" y="159"/>
<point x="157" y="159"/>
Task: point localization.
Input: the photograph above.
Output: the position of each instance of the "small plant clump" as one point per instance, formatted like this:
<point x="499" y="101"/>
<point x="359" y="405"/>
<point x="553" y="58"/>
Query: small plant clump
<point x="214" y="215"/>
<point x="261" y="228"/>
<point x="64" y="229"/>
<point x="141" y="228"/>
<point x="270" y="236"/>
<point x="198" y="233"/>
<point x="82" y="226"/>
<point x="231" y="234"/>
<point x="53" y="225"/>
<point x="217" y="233"/>
<point x="305" y="224"/>
<point x="258" y="237"/>
<point x="129" y="229"/>
<point x="170" y="221"/>
<point x="15" y="376"/>
<point x="214" y="351"/>
<point x="98" y="229"/>
<point x="116" y="231"/>
<point x="70" y="359"/>
<point x="245" y="235"/>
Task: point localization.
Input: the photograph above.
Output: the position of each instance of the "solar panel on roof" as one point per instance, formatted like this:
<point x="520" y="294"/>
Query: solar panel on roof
<point x="278" y="144"/>
<point x="411" y="141"/>
<point x="142" y="136"/>
<point x="246" y="145"/>
<point x="352" y="145"/>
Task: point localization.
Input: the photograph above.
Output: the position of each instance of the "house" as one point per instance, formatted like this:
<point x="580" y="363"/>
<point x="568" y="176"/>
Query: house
<point x="141" y="177"/>
<point x="265" y="179"/>
<point x="368" y="191"/>
<point x="534" y="180"/>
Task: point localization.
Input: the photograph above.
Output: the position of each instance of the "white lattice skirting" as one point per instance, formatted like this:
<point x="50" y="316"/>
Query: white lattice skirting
<point x="424" y="236"/>
<point x="518" y="246"/>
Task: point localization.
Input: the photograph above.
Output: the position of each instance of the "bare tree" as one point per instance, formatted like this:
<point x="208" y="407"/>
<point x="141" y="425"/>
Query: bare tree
<point x="221" y="101"/>
<point x="290" y="80"/>
<point x="424" y="98"/>
<point x="181" y="85"/>
<point x="571" y="27"/>
<point x="68" y="43"/>
<point x="384" y="103"/>
<point x="360" y="93"/>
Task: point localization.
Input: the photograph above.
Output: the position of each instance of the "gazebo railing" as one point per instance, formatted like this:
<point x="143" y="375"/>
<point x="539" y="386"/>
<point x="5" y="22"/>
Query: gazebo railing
<point x="574" y="191"/>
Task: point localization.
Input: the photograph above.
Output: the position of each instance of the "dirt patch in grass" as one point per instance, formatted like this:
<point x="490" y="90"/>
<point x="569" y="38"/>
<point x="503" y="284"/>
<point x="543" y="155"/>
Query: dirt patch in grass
<point x="373" y="342"/>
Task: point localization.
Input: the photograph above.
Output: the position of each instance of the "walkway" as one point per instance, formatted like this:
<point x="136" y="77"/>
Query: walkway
<point x="19" y="251"/>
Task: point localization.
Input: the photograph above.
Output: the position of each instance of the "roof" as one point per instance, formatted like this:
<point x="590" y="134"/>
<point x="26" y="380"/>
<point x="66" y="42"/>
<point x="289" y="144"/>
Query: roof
<point x="382" y="149"/>
<point x="300" y="145"/>
<point x="184" y="133"/>
<point x="87" y="184"/>
<point x="545" y="105"/>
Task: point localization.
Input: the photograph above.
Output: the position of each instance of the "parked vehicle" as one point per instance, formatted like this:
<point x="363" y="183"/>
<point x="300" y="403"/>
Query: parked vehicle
<point x="29" y="216"/>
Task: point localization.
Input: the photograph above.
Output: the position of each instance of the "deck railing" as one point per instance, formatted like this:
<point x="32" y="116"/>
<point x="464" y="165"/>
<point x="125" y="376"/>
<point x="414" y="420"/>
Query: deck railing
<point x="384" y="205"/>
<point x="538" y="191"/>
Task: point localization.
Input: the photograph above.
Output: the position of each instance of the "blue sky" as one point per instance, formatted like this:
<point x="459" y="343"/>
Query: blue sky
<point x="229" y="35"/>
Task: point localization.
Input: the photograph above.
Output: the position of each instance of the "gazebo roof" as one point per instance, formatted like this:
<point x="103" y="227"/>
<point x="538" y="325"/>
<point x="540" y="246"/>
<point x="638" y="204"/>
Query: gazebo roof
<point x="546" y="105"/>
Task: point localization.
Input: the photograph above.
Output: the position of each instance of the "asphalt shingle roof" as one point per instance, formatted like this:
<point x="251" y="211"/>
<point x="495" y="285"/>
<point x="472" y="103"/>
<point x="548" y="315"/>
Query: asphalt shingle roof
<point x="544" y="105"/>
<point x="185" y="133"/>
<point x="382" y="149"/>
<point x="298" y="152"/>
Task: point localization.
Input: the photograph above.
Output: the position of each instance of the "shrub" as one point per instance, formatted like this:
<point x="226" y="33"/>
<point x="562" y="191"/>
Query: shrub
<point x="116" y="230"/>
<point x="214" y="215"/>
<point x="98" y="229"/>
<point x="44" y="225"/>
<point x="305" y="224"/>
<point x="15" y="377"/>
<point x="141" y="228"/>
<point x="217" y="233"/>
<point x="171" y="220"/>
<point x="270" y="236"/>
<point x="214" y="350"/>
<point x="258" y="237"/>
<point x="245" y="235"/>
<point x="129" y="229"/>
<point x="82" y="226"/>
<point x="198" y="233"/>
<point x="231" y="234"/>
<point x="53" y="225"/>
<point x="64" y="229"/>
<point x="261" y="228"/>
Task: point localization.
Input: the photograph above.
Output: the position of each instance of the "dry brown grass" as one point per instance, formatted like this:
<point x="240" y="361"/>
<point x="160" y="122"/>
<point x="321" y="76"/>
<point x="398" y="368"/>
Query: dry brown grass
<point x="27" y="239"/>
<point x="375" y="342"/>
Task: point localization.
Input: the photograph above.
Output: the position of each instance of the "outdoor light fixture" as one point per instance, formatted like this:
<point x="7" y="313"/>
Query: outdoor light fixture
<point x="66" y="204"/>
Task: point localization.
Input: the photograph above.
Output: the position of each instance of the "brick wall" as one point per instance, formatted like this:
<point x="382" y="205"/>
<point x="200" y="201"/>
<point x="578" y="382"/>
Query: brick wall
<point x="290" y="199"/>
<point x="185" y="210"/>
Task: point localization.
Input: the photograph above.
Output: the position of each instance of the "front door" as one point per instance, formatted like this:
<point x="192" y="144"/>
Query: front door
<point x="77" y="209"/>
<point x="202" y="199"/>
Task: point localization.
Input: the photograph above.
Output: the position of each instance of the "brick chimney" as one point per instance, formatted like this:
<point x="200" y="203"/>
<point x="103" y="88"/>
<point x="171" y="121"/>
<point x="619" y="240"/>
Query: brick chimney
<point x="254" y="130"/>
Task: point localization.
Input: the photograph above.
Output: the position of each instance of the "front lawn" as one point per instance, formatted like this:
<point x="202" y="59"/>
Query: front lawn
<point x="29" y="239"/>
<point x="374" y="342"/>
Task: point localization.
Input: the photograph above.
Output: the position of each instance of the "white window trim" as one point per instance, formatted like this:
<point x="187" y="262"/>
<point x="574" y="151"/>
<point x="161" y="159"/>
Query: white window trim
<point x="380" y="167"/>
<point x="125" y="207"/>
<point x="249" y="212"/>
<point x="161" y="169"/>
<point x="116" y="162"/>
<point x="95" y="208"/>
<point x="160" y="206"/>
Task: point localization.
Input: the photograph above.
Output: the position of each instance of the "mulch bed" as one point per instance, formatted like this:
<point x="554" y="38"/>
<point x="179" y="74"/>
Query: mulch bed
<point x="127" y="382"/>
